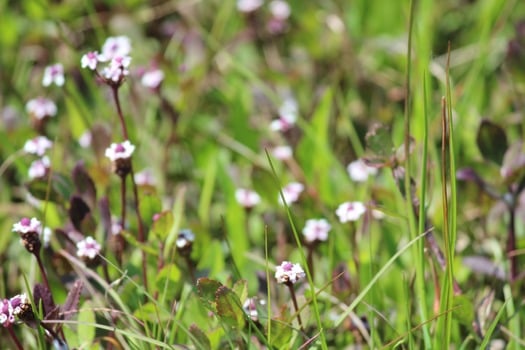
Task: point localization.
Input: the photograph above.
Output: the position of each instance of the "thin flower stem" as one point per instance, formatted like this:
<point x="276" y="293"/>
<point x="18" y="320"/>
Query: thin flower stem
<point x="141" y="235"/>
<point x="123" y="200"/>
<point x="295" y="305"/>
<point x="310" y="258"/>
<point x="43" y="272"/>
<point x="15" y="338"/>
<point x="114" y="90"/>
<point x="511" y="244"/>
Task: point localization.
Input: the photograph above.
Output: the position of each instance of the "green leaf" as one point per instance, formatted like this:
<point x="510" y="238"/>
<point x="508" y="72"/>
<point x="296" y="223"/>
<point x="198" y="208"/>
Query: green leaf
<point x="86" y="319"/>
<point x="281" y="334"/>
<point x="492" y="141"/>
<point x="152" y="313"/>
<point x="379" y="145"/>
<point x="162" y="225"/>
<point x="200" y="340"/>
<point x="463" y="310"/>
<point x="240" y="288"/>
<point x="168" y="281"/>
<point x="229" y="308"/>
<point x="206" y="289"/>
<point x="59" y="191"/>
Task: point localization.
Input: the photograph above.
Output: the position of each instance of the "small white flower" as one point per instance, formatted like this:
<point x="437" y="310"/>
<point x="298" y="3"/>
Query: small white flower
<point x="350" y="211"/>
<point x="359" y="171"/>
<point x="41" y="107"/>
<point x="316" y="230"/>
<point x="117" y="68"/>
<point x="26" y="225"/>
<point x="116" y="226"/>
<point x="153" y="78"/>
<point x="291" y="192"/>
<point x="88" y="248"/>
<point x="38" y="145"/>
<point x="185" y="239"/>
<point x="246" y="6"/>
<point x="122" y="150"/>
<point x="85" y="139"/>
<point x="39" y="168"/>
<point x="53" y="74"/>
<point x="280" y="9"/>
<point x="90" y="60"/>
<point x="282" y="152"/>
<point x="247" y="198"/>
<point x="145" y="178"/>
<point x="250" y="307"/>
<point x="17" y="301"/>
<point x="115" y="46"/>
<point x="289" y="273"/>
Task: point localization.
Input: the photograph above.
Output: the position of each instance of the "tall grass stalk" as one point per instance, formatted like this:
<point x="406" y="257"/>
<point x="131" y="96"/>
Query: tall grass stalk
<point x="304" y="261"/>
<point x="417" y="250"/>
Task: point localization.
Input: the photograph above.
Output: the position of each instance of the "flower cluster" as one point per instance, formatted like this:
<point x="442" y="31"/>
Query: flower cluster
<point x="350" y="211"/>
<point x="16" y="307"/>
<point x="289" y="273"/>
<point x="54" y="74"/>
<point x="291" y="192"/>
<point x="115" y="52"/>
<point x="41" y="108"/>
<point x="316" y="230"/>
<point x="287" y="115"/>
<point x="88" y="250"/>
<point x="359" y="171"/>
<point x="29" y="231"/>
<point x="247" y="198"/>
<point x="120" y="155"/>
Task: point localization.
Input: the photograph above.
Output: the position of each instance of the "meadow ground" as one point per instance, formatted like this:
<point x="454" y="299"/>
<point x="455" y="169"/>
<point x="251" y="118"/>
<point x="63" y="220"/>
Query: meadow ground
<point x="260" y="174"/>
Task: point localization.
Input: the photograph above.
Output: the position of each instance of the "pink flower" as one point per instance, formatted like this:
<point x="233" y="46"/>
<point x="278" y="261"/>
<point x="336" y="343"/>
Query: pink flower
<point x="247" y="6"/>
<point x="282" y="152"/>
<point x="316" y="230"/>
<point x="359" y="171"/>
<point x="85" y="139"/>
<point x="350" y="211"/>
<point x="41" y="107"/>
<point x="289" y="273"/>
<point x="38" y="145"/>
<point x="39" y="168"/>
<point x="117" y="68"/>
<point x="122" y="150"/>
<point x="145" y="178"/>
<point x="247" y="198"/>
<point x="90" y="60"/>
<point x="53" y="74"/>
<point x="88" y="248"/>
<point x="19" y="303"/>
<point x="153" y="78"/>
<point x="280" y="9"/>
<point x="26" y="225"/>
<point x="6" y="313"/>
<point x="291" y="192"/>
<point x="115" y="46"/>
<point x="287" y="116"/>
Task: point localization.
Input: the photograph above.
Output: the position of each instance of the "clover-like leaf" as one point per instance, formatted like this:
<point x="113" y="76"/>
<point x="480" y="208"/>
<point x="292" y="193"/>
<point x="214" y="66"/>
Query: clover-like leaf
<point x="379" y="145"/>
<point x="206" y="289"/>
<point x="229" y="308"/>
<point x="492" y="141"/>
<point x="163" y="224"/>
<point x="199" y="339"/>
<point x="463" y="310"/>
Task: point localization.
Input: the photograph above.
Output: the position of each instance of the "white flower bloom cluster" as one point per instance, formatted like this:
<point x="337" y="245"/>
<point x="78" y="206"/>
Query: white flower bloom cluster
<point x="289" y="273"/>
